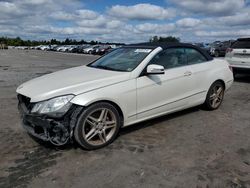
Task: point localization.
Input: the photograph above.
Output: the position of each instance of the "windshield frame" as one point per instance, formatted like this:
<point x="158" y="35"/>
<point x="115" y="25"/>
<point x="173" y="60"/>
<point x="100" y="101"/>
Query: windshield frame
<point x="131" y="47"/>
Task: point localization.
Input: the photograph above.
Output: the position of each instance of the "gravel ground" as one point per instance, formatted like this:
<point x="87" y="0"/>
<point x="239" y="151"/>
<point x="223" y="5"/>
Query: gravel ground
<point x="192" y="148"/>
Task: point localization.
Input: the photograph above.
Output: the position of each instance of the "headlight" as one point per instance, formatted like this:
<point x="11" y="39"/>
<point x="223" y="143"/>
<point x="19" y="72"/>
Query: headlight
<point x="55" y="107"/>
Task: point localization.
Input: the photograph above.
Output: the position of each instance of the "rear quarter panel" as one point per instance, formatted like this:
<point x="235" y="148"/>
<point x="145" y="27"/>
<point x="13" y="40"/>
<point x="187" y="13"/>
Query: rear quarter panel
<point x="220" y="71"/>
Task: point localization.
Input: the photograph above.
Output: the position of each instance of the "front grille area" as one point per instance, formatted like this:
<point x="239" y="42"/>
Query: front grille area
<point x="25" y="101"/>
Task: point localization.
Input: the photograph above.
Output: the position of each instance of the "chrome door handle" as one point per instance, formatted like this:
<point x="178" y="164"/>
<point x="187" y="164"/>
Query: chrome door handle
<point x="188" y="73"/>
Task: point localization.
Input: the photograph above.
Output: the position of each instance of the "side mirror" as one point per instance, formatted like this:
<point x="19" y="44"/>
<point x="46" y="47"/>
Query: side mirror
<point x="155" y="69"/>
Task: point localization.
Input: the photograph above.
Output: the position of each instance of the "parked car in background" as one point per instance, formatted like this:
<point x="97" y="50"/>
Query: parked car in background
<point x="110" y="50"/>
<point x="238" y="56"/>
<point x="72" y="48"/>
<point x="37" y="47"/>
<point x="80" y="48"/>
<point x="45" y="47"/>
<point x="90" y="49"/>
<point x="203" y="46"/>
<point x="219" y="48"/>
<point x="53" y="47"/>
<point x="101" y="50"/>
<point x="62" y="48"/>
<point x="132" y="84"/>
<point x="22" y="47"/>
<point x="67" y="48"/>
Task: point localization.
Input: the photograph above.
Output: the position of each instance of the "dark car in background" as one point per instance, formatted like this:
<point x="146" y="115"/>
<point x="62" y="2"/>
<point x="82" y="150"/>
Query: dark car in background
<point x="110" y="50"/>
<point x="101" y="50"/>
<point x="204" y="46"/>
<point x="80" y="48"/>
<point x="218" y="49"/>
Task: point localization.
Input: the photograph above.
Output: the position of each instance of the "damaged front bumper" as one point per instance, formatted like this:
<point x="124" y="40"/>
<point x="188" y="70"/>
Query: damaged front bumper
<point x="46" y="129"/>
<point x="58" y="131"/>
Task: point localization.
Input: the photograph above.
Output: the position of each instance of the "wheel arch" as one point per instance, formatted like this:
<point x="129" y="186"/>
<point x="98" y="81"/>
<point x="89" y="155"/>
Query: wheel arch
<point x="77" y="130"/>
<point x="220" y="80"/>
<point x="110" y="102"/>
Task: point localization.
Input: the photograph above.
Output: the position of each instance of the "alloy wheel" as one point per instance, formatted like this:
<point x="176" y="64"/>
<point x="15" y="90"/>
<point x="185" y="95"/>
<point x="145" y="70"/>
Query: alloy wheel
<point x="216" y="96"/>
<point x="99" y="126"/>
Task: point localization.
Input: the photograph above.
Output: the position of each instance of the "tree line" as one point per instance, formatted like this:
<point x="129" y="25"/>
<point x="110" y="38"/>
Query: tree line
<point x="20" y="42"/>
<point x="164" y="39"/>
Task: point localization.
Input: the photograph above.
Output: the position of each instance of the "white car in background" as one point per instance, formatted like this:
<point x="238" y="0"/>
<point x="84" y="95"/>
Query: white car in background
<point x="90" y="49"/>
<point x="22" y="47"/>
<point x="131" y="84"/>
<point x="44" y="47"/>
<point x="238" y="56"/>
<point x="62" y="48"/>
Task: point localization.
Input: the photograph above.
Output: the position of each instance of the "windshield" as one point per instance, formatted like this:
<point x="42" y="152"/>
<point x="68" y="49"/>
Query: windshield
<point x="122" y="59"/>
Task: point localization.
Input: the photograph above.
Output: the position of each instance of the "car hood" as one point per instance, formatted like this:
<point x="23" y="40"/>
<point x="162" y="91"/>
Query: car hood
<point x="70" y="81"/>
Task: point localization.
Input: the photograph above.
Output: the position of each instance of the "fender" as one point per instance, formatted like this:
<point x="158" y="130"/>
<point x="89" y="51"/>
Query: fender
<point x="122" y="94"/>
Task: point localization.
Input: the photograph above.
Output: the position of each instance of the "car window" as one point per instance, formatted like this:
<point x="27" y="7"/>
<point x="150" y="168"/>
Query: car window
<point x="241" y="44"/>
<point x="170" y="58"/>
<point x="194" y="56"/>
<point x="122" y="59"/>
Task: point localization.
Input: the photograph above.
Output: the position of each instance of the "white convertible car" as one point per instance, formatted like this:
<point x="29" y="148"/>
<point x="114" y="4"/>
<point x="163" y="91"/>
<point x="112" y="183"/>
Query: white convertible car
<point x="134" y="83"/>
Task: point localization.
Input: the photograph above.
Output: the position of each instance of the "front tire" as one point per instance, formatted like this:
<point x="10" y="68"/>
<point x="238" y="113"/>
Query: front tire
<point x="215" y="96"/>
<point x="97" y="126"/>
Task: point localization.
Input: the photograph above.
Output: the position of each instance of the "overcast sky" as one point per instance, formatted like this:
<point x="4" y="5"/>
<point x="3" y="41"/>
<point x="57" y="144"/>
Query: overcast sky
<point x="125" y="21"/>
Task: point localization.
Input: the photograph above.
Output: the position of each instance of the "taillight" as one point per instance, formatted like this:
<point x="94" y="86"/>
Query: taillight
<point x="229" y="50"/>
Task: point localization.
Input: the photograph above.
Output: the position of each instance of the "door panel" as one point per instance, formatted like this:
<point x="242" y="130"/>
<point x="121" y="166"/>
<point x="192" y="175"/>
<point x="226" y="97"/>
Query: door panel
<point x="200" y="69"/>
<point x="199" y="83"/>
<point x="183" y="84"/>
<point x="160" y="93"/>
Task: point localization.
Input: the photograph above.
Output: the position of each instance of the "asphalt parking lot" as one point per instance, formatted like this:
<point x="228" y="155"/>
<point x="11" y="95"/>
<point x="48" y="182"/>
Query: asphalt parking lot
<point x="192" y="148"/>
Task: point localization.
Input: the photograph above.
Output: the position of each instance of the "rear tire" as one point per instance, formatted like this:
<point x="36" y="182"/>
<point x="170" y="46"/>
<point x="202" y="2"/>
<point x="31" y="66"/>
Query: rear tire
<point x="97" y="126"/>
<point x="215" y="96"/>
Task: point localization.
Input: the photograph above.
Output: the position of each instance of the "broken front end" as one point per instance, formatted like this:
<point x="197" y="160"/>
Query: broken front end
<point x="52" y="120"/>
